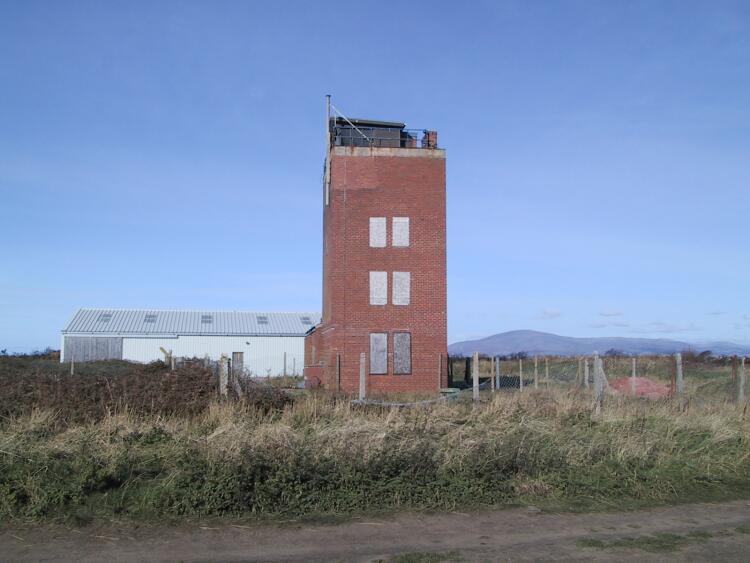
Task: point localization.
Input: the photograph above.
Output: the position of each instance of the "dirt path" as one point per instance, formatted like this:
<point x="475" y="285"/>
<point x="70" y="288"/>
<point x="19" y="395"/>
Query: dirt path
<point x="698" y="532"/>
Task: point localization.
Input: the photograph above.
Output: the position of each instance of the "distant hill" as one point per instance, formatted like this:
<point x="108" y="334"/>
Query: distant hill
<point x="543" y="343"/>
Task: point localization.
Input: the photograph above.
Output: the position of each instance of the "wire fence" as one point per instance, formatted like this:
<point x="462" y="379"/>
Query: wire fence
<point x="689" y="377"/>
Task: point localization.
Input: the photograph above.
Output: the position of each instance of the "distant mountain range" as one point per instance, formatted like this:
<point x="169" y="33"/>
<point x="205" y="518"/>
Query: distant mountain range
<point x="544" y="343"/>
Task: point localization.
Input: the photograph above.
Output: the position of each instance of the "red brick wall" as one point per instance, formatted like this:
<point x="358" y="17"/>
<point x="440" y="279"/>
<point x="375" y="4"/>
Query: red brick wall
<point x="384" y="183"/>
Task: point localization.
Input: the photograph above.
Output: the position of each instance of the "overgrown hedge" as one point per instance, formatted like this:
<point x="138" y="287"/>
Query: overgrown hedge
<point x="98" y="389"/>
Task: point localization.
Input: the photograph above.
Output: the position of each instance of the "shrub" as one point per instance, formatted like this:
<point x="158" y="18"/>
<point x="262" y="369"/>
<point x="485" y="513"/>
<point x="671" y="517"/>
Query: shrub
<point x="100" y="388"/>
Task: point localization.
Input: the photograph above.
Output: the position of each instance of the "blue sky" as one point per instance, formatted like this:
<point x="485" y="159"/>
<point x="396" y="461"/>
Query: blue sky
<point x="169" y="155"/>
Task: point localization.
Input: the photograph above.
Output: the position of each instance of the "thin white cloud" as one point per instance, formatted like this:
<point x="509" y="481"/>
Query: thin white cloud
<point x="716" y="313"/>
<point x="549" y="314"/>
<point x="661" y="327"/>
<point x="610" y="313"/>
<point x="606" y="325"/>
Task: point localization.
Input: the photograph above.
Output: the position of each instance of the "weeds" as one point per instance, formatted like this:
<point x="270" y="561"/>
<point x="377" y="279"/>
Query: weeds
<point x="425" y="557"/>
<point x="653" y="543"/>
<point x="97" y="389"/>
<point x="322" y="456"/>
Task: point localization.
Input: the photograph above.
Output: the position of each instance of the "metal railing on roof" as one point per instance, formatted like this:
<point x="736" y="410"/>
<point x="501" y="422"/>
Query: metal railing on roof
<point x="345" y="135"/>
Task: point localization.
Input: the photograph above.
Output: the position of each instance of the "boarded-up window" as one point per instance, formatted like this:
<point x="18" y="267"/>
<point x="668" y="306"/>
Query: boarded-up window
<point x="400" y="231"/>
<point x="401" y="288"/>
<point x="378" y="353"/>
<point x="377" y="232"/>
<point x="378" y="288"/>
<point x="401" y="353"/>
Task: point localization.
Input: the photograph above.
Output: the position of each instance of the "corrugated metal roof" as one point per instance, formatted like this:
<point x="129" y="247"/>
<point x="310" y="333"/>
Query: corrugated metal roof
<point x="154" y="321"/>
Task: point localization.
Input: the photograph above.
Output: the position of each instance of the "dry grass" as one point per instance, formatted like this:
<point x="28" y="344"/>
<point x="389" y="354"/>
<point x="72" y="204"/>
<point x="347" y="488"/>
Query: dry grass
<point x="322" y="455"/>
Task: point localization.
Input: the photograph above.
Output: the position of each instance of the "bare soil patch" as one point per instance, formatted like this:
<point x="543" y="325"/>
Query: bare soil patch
<point x="699" y="532"/>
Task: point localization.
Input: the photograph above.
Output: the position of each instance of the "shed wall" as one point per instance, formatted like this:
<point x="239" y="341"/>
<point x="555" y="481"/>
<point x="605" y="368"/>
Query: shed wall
<point x="263" y="353"/>
<point x="90" y="348"/>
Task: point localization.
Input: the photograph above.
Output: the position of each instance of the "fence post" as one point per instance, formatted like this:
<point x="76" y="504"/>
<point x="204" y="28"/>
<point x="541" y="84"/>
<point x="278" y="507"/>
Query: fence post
<point x="223" y="375"/>
<point x="520" y="374"/>
<point x="492" y="374"/>
<point x="362" y="379"/>
<point x="579" y="372"/>
<point x="536" y="373"/>
<point x="72" y="364"/>
<point x="678" y="380"/>
<point x="284" y="364"/>
<point x="598" y="384"/>
<point x="497" y="372"/>
<point x="475" y="375"/>
<point x="741" y="387"/>
<point x="586" y="373"/>
<point x="632" y="379"/>
<point x="546" y="371"/>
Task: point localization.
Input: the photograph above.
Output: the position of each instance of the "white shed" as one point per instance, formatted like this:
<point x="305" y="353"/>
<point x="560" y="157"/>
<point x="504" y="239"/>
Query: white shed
<point x="262" y="343"/>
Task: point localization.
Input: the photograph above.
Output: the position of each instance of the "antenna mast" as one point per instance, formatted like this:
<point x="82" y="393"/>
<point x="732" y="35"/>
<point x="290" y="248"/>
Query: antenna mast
<point x="327" y="176"/>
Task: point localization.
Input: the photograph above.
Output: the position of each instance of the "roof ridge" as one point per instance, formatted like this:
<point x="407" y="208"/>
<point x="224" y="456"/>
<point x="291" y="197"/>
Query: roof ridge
<point x="190" y="321"/>
<point x="139" y="309"/>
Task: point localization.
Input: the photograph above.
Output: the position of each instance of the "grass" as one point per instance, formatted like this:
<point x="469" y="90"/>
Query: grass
<point x="653" y="543"/>
<point x="281" y="381"/>
<point x="321" y="456"/>
<point x="425" y="557"/>
<point x="706" y="379"/>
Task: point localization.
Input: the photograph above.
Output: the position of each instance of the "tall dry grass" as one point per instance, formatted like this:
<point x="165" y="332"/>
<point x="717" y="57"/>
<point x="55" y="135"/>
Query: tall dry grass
<point x="323" y="455"/>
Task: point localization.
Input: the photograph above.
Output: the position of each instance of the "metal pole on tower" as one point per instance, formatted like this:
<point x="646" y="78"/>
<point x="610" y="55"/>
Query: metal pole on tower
<point x="327" y="175"/>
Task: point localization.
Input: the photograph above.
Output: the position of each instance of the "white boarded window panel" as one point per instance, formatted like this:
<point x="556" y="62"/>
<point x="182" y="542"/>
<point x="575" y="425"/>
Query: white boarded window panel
<point x="400" y="231"/>
<point x="401" y="288"/>
<point x="378" y="352"/>
<point x="377" y="232"/>
<point x="378" y="288"/>
<point x="401" y="353"/>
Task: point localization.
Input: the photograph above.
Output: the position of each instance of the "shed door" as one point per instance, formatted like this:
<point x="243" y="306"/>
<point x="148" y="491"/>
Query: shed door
<point x="238" y="360"/>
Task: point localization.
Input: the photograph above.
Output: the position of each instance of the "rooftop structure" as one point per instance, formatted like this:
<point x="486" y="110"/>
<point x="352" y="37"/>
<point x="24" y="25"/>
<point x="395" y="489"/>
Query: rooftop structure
<point x="370" y="133"/>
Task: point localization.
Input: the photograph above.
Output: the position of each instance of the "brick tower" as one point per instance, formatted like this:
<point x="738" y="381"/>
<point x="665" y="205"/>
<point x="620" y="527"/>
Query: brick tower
<point x="384" y="263"/>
